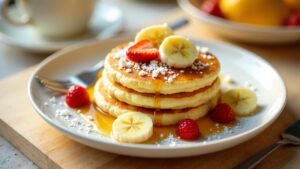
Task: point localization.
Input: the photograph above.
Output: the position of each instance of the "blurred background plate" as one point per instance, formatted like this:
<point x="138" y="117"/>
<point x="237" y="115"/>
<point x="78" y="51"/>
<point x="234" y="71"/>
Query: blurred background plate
<point x="239" y="31"/>
<point x="106" y="21"/>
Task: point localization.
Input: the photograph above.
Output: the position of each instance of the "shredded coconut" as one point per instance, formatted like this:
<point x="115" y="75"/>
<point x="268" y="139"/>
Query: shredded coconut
<point x="142" y="73"/>
<point x="198" y="65"/>
<point x="128" y="70"/>
<point x="170" y="80"/>
<point x="122" y="63"/>
<point x="156" y="68"/>
<point x="119" y="53"/>
<point x="155" y="74"/>
<point x="209" y="57"/>
<point x="136" y="66"/>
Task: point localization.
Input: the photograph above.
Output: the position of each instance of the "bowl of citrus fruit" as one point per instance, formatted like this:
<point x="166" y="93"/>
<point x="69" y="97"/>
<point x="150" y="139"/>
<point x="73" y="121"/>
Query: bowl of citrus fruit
<point x="258" y="21"/>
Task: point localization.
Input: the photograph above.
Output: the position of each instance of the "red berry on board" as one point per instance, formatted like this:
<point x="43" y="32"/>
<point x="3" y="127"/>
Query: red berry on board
<point x="77" y="97"/>
<point x="143" y="51"/>
<point x="188" y="129"/>
<point x="212" y="7"/>
<point x="293" y="20"/>
<point x="223" y="113"/>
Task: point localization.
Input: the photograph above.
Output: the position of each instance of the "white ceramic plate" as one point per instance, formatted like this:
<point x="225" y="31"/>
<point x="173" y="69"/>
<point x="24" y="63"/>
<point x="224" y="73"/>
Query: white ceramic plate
<point x="242" y="65"/>
<point x="105" y="23"/>
<point x="238" y="31"/>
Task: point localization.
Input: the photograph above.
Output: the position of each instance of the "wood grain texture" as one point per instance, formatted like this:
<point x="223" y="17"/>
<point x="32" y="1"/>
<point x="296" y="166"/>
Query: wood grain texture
<point x="48" y="148"/>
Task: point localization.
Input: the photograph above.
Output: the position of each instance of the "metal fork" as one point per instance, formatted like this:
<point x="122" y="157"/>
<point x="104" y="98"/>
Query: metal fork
<point x="291" y="136"/>
<point x="87" y="77"/>
<point x="84" y="78"/>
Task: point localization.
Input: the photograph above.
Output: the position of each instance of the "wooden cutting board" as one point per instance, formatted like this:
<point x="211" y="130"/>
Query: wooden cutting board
<point x="48" y="148"/>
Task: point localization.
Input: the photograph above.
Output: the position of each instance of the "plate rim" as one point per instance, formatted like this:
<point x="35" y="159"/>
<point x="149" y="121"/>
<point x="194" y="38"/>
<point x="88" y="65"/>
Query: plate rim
<point x="246" y="135"/>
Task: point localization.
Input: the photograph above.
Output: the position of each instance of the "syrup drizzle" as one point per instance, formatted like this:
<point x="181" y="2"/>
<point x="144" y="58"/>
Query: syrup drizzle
<point x="104" y="122"/>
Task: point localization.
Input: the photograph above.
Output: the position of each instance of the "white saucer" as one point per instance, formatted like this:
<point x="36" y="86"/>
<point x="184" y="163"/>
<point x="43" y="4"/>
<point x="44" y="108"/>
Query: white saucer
<point x="243" y="66"/>
<point x="105" y="22"/>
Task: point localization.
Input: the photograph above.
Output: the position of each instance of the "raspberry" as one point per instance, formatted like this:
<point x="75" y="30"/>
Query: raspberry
<point x="188" y="129"/>
<point x="77" y="97"/>
<point x="223" y="113"/>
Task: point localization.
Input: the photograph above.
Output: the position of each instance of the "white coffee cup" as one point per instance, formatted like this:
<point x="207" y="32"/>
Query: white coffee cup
<point x="53" y="18"/>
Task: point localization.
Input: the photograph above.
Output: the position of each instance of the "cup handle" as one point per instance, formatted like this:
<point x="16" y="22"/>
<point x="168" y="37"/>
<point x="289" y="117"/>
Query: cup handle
<point x="7" y="17"/>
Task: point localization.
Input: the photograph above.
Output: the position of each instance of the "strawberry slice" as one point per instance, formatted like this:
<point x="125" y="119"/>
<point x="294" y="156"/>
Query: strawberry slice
<point x="143" y="51"/>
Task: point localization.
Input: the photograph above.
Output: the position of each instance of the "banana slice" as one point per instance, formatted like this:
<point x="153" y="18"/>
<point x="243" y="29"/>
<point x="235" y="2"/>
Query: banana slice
<point x="242" y="100"/>
<point x="132" y="128"/>
<point x="178" y="52"/>
<point x="155" y="34"/>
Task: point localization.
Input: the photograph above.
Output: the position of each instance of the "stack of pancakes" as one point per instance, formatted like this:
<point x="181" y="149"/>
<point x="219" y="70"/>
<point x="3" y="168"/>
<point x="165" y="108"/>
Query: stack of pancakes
<point x="166" y="94"/>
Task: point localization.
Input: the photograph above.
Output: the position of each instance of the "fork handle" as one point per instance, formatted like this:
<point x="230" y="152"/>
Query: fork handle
<point x="179" y="23"/>
<point x="257" y="158"/>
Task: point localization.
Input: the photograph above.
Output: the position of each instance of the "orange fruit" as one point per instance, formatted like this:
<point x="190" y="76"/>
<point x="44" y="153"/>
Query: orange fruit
<point x="294" y="4"/>
<point x="257" y="12"/>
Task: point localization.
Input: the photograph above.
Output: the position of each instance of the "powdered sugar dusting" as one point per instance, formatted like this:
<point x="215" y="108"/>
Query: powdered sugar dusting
<point x="171" y="141"/>
<point x="71" y="118"/>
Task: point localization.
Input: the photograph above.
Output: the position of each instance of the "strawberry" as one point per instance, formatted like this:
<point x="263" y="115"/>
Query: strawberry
<point x="77" y="97"/>
<point x="212" y="7"/>
<point x="143" y="51"/>
<point x="223" y="113"/>
<point x="293" y="20"/>
<point x="188" y="129"/>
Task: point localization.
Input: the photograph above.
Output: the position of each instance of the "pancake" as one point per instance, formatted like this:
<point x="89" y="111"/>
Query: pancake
<point x="156" y="77"/>
<point x="161" y="101"/>
<point x="115" y="108"/>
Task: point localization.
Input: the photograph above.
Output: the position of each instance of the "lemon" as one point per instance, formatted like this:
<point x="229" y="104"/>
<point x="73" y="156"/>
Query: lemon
<point x="258" y="12"/>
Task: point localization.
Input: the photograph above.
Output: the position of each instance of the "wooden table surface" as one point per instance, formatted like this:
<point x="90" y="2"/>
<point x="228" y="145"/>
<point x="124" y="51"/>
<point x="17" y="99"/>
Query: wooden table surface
<point x="48" y="148"/>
